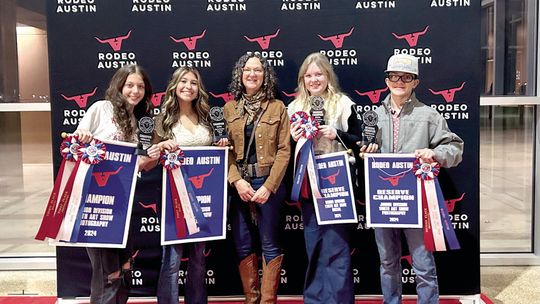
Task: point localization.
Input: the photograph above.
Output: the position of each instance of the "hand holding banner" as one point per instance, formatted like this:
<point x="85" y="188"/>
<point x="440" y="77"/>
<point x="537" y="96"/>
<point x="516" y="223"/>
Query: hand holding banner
<point x="304" y="155"/>
<point x="194" y="195"/>
<point x="440" y="225"/>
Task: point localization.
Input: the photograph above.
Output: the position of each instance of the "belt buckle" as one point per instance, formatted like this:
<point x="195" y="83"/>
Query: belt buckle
<point x="245" y="172"/>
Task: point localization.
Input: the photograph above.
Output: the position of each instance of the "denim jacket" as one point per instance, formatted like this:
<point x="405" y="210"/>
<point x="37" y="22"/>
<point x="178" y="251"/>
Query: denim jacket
<point x="272" y="142"/>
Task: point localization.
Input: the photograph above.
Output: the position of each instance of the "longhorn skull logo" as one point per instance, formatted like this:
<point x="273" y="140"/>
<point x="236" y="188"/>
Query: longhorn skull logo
<point x="198" y="180"/>
<point x="115" y="42"/>
<point x="337" y="40"/>
<point x="411" y="38"/>
<point x="82" y="99"/>
<point x="448" y="94"/>
<point x="103" y="177"/>
<point x="149" y="206"/>
<point x="189" y="42"/>
<point x="263" y="41"/>
<point x="331" y="178"/>
<point x="451" y="203"/>
<point x="225" y="96"/>
<point x="156" y="98"/>
<point x="394" y="180"/>
<point x="374" y="96"/>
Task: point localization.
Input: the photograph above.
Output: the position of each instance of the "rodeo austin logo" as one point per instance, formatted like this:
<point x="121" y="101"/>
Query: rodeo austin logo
<point x="450" y="3"/>
<point x="412" y="39"/>
<point x="300" y="5"/>
<point x="151" y="6"/>
<point x="449" y="109"/>
<point x="75" y="6"/>
<point x="226" y="5"/>
<point x="73" y="116"/>
<point x="375" y="4"/>
<point x="116" y="58"/>
<point x="149" y="219"/>
<point x="190" y="57"/>
<point x="210" y="278"/>
<point x="339" y="55"/>
<point x="274" y="57"/>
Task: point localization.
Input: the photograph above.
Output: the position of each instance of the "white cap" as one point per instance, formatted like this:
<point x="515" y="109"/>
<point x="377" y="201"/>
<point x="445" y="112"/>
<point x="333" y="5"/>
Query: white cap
<point x="403" y="63"/>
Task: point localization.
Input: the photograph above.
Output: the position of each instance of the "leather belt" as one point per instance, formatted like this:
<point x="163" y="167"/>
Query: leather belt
<point x="253" y="170"/>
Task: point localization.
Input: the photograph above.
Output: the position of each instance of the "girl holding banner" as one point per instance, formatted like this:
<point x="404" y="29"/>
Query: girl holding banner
<point x="258" y="128"/>
<point x="115" y="118"/>
<point x="184" y="122"/>
<point x="329" y="276"/>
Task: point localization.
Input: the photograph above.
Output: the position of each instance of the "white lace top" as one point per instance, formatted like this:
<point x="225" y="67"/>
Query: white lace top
<point x="200" y="137"/>
<point x="99" y="120"/>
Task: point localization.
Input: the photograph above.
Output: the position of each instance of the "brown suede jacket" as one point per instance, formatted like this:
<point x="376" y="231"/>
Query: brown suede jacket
<point x="272" y="140"/>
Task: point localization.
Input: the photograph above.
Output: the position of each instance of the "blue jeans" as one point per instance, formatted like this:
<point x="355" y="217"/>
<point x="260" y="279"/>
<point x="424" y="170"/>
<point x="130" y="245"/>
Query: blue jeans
<point x="329" y="278"/>
<point x="423" y="263"/>
<point x="195" y="288"/>
<point x="244" y="231"/>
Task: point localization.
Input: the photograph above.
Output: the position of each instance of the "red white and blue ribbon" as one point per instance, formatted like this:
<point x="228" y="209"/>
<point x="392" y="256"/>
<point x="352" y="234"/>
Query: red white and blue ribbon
<point x="304" y="155"/>
<point x="92" y="153"/>
<point x="188" y="215"/>
<point x="436" y="220"/>
<point x="69" y="149"/>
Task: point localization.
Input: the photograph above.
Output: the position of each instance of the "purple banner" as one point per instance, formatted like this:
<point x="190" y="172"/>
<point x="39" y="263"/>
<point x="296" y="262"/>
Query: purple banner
<point x="337" y="203"/>
<point x="204" y="174"/>
<point x="393" y="195"/>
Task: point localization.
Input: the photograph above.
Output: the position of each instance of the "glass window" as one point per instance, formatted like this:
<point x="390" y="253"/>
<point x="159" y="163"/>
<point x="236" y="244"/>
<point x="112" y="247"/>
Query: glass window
<point x="506" y="59"/>
<point x="507" y="127"/>
<point x="506" y="178"/>
<point x="25" y="136"/>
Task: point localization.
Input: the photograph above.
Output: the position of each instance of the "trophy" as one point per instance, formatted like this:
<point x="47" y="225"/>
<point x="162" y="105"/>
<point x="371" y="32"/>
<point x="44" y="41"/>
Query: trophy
<point x="145" y="134"/>
<point x="218" y="123"/>
<point x="369" y="127"/>
<point x="317" y="109"/>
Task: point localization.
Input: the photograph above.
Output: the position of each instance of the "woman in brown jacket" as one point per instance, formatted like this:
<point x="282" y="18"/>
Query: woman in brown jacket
<point x="259" y="132"/>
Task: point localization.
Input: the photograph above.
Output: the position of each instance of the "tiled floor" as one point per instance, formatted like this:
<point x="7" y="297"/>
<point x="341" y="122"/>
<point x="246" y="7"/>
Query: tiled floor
<point x="503" y="284"/>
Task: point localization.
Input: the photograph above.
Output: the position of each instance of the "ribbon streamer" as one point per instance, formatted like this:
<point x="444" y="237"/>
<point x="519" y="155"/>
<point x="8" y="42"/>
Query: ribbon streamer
<point x="69" y="149"/>
<point x="304" y="155"/>
<point x="188" y="215"/>
<point x="437" y="224"/>
<point x="92" y="153"/>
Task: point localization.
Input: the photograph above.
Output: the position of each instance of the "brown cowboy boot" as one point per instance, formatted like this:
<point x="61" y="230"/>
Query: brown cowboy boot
<point x="250" y="279"/>
<point x="270" y="280"/>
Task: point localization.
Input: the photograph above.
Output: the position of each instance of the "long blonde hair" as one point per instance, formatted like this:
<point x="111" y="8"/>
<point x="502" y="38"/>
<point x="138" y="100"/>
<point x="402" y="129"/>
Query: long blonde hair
<point x="171" y="107"/>
<point x="332" y="93"/>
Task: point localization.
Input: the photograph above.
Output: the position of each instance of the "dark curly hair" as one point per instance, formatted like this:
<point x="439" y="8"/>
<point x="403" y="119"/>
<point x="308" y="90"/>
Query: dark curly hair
<point x="119" y="102"/>
<point x="269" y="84"/>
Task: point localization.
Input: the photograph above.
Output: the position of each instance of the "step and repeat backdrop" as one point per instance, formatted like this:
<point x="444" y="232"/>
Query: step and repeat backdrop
<point x="90" y="39"/>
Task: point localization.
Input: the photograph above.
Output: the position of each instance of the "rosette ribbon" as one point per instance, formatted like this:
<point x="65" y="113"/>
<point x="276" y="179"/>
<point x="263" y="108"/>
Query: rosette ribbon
<point x="436" y="220"/>
<point x="304" y="156"/>
<point x="188" y="216"/>
<point x="92" y="153"/>
<point x="69" y="149"/>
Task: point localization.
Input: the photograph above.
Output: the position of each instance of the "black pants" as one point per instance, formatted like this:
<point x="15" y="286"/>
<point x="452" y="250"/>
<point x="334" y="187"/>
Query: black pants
<point x="105" y="261"/>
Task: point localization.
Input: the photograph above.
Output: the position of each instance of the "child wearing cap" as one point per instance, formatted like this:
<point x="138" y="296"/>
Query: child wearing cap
<point x="407" y="125"/>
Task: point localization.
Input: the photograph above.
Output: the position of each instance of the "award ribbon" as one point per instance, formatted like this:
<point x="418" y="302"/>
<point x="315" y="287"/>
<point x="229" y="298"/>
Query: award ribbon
<point x="304" y="155"/>
<point x="188" y="215"/>
<point x="92" y="153"/>
<point x="437" y="224"/>
<point x="69" y="149"/>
